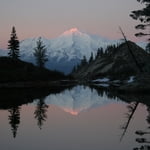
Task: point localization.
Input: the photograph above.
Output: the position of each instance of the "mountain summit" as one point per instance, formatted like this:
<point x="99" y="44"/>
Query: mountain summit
<point x="71" y="31"/>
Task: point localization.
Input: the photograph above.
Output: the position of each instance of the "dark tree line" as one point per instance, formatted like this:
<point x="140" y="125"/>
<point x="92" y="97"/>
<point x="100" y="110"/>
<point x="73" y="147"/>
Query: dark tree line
<point x="132" y="107"/>
<point x="101" y="52"/>
<point x="40" y="115"/>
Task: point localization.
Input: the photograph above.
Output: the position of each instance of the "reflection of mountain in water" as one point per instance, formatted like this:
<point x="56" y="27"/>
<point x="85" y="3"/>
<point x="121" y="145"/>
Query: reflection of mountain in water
<point x="16" y="97"/>
<point x="78" y="99"/>
<point x="72" y="100"/>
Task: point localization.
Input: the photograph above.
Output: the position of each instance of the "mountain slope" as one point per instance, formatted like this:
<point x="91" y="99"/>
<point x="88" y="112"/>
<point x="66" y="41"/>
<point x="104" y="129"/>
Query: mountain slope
<point x="65" y="51"/>
<point x="116" y="63"/>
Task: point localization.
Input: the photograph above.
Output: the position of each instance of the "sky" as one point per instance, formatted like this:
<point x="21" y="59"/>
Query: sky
<point x="50" y="18"/>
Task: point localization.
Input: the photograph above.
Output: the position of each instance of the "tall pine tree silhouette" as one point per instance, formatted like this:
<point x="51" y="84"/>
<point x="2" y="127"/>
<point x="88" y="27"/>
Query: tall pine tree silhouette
<point x="14" y="119"/>
<point x="40" y="53"/>
<point x="40" y="112"/>
<point x="13" y="45"/>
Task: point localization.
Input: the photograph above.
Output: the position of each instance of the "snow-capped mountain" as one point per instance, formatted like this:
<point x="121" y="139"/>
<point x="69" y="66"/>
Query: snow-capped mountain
<point x="79" y="99"/>
<point x="65" y="51"/>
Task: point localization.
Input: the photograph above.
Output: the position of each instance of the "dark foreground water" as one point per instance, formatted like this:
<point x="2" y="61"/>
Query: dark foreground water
<point x="79" y="118"/>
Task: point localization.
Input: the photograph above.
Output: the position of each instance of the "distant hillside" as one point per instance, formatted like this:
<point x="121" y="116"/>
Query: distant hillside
<point x="115" y="63"/>
<point x="16" y="70"/>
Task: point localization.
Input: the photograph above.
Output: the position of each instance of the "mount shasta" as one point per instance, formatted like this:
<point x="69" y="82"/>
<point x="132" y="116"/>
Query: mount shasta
<point x="65" y="51"/>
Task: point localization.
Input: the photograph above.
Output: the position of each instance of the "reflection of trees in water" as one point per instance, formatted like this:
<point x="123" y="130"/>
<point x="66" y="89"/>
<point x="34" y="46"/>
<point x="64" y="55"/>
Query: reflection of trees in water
<point x="40" y="112"/>
<point x="142" y="133"/>
<point x="132" y="107"/>
<point x="104" y="91"/>
<point x="99" y="90"/>
<point x="14" y="119"/>
<point x="131" y="110"/>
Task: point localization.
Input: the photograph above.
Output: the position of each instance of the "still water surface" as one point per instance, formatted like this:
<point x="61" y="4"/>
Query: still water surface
<point x="79" y="118"/>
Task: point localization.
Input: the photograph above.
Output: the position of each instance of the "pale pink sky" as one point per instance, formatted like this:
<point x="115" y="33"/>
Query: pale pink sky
<point x="50" y="18"/>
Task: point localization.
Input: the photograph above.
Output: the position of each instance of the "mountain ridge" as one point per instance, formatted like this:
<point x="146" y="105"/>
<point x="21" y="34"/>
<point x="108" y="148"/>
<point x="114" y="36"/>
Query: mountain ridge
<point x="115" y="63"/>
<point x="65" y="51"/>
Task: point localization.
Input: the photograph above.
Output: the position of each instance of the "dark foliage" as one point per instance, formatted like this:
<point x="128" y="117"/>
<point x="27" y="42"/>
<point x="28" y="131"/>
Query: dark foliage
<point x="91" y="58"/>
<point x="40" y="112"/>
<point x="12" y="70"/>
<point x="14" y="97"/>
<point x="100" y="52"/>
<point x="13" y="45"/>
<point x="40" y="54"/>
<point x="143" y="16"/>
<point x="14" y="119"/>
<point x="84" y="61"/>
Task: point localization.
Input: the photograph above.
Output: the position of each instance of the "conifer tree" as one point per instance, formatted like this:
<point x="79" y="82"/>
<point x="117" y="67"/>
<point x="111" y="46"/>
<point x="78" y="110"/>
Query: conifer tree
<point x="13" y="45"/>
<point x="40" y="112"/>
<point x="14" y="119"/>
<point x="100" y="52"/>
<point x="40" y="53"/>
<point x="84" y="61"/>
<point x="143" y="15"/>
<point x="91" y="58"/>
<point x="74" y="69"/>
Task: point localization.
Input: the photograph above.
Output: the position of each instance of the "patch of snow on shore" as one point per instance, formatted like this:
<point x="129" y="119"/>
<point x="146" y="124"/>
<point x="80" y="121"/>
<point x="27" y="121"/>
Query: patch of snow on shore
<point x="131" y="79"/>
<point x="101" y="80"/>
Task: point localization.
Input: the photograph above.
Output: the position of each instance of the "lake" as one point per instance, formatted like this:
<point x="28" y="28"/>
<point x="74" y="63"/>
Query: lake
<point x="75" y="118"/>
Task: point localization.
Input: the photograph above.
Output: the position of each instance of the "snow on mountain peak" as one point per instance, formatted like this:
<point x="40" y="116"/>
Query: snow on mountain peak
<point x="71" y="31"/>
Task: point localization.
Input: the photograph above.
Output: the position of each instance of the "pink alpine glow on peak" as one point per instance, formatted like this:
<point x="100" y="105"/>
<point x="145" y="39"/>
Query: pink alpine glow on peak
<point x="71" y="31"/>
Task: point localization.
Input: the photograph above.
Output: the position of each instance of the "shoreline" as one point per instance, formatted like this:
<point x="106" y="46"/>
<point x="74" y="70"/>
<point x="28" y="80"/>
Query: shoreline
<point x="37" y="84"/>
<point x="134" y="87"/>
